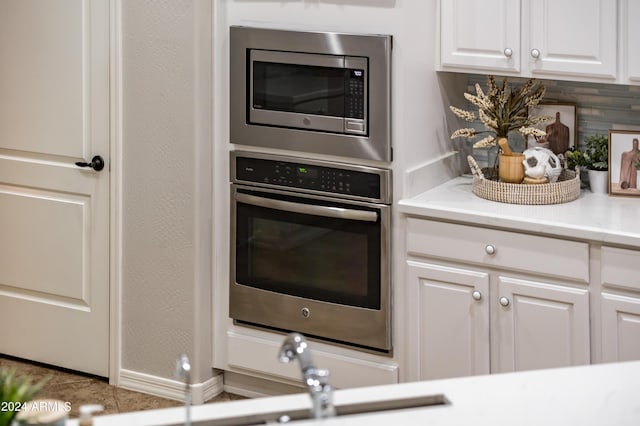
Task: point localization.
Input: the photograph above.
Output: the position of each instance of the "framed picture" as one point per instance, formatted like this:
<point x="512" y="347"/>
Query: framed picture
<point x="624" y="160"/>
<point x="562" y="131"/>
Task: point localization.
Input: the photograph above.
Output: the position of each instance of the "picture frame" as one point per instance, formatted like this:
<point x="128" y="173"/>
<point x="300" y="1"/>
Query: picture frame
<point x="562" y="129"/>
<point x="624" y="156"/>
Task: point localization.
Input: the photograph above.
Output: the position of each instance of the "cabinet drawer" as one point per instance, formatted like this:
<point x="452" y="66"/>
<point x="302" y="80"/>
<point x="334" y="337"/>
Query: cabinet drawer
<point x="620" y="268"/>
<point x="503" y="249"/>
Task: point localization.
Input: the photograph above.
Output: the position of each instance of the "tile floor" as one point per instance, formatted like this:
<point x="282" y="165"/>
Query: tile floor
<point x="80" y="389"/>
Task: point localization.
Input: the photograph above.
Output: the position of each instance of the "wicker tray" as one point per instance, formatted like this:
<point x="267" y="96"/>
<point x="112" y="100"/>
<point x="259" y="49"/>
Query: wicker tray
<point x="566" y="189"/>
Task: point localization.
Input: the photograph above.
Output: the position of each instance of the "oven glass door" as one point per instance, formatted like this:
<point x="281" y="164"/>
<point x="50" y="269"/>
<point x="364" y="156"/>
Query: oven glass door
<point x="308" y="248"/>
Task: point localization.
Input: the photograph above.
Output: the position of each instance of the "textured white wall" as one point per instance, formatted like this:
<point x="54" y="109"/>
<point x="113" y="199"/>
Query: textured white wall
<point x="167" y="175"/>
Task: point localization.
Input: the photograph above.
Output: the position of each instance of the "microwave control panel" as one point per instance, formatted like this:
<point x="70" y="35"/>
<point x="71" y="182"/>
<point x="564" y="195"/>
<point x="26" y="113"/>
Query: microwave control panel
<point x="355" y="94"/>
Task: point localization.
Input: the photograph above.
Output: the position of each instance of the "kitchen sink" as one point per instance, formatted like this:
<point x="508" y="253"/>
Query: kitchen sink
<point x="277" y="416"/>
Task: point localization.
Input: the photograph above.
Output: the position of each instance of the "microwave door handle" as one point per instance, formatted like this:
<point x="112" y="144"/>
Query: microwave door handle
<point x="326" y="211"/>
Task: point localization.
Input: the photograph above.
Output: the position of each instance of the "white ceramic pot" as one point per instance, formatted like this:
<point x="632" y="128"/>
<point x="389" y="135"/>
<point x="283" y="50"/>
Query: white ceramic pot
<point x="599" y="181"/>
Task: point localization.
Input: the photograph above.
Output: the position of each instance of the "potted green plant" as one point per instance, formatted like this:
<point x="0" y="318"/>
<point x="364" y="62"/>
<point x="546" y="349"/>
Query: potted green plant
<point x="15" y="392"/>
<point x="595" y="158"/>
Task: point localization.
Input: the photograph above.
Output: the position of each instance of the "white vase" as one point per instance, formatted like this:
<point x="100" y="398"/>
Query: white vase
<point x="599" y="181"/>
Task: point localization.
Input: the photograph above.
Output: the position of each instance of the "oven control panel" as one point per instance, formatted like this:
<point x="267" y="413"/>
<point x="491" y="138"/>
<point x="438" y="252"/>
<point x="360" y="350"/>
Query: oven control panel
<point x="313" y="176"/>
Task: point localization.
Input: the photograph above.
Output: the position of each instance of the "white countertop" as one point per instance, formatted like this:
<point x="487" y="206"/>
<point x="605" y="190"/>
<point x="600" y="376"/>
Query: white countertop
<point x="595" y="217"/>
<point x="603" y="394"/>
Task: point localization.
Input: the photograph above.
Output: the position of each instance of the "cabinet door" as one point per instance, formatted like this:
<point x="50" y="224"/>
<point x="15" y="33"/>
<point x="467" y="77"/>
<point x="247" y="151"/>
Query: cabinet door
<point x="571" y="37"/>
<point x="539" y="325"/>
<point x="630" y="36"/>
<point x="480" y="35"/>
<point x="620" y="328"/>
<point x="448" y="312"/>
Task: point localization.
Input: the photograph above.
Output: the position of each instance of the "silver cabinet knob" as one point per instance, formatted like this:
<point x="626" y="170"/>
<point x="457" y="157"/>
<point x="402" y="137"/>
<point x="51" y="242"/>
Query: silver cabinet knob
<point x="535" y="53"/>
<point x="504" y="301"/>
<point x="476" y="295"/>
<point x="508" y="52"/>
<point x="490" y="249"/>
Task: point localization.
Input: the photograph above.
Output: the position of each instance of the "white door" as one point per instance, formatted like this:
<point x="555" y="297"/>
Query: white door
<point x="54" y="215"/>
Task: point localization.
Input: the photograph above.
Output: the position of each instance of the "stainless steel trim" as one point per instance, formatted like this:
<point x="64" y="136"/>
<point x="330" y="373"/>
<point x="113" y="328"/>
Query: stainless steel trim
<point x="375" y="145"/>
<point x="295" y="119"/>
<point x="330" y="61"/>
<point x="315" y="210"/>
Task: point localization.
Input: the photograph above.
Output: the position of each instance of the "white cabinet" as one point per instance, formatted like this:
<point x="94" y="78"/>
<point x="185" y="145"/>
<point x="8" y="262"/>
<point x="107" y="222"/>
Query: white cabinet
<point x="570" y="39"/>
<point x="630" y="19"/>
<point x="448" y="316"/>
<point x="620" y="304"/>
<point x="480" y="35"/>
<point x="540" y="325"/>
<point x="481" y="300"/>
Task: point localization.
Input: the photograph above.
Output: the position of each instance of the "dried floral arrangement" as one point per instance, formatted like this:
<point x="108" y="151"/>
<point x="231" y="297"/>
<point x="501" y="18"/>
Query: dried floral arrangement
<point x="501" y="110"/>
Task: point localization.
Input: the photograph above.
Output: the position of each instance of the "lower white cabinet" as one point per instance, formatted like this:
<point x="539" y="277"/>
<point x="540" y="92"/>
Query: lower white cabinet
<point x="539" y="325"/>
<point x="450" y="325"/>
<point x="620" y="304"/>
<point x="476" y="322"/>
<point x="468" y="315"/>
<point x="620" y="327"/>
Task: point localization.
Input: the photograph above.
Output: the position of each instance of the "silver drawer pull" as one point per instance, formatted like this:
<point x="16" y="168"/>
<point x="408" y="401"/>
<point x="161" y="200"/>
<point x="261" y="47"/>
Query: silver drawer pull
<point x="476" y="295"/>
<point x="490" y="249"/>
<point x="504" y="301"/>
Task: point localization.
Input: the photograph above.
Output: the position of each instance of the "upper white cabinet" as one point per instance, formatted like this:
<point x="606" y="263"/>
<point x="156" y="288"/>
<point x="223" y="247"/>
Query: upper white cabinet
<point x="569" y="39"/>
<point x="630" y="17"/>
<point x="480" y="35"/>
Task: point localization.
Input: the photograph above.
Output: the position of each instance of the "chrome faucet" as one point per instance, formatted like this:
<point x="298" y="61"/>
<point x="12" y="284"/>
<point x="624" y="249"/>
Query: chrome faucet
<point x="317" y="379"/>
<point x="183" y="372"/>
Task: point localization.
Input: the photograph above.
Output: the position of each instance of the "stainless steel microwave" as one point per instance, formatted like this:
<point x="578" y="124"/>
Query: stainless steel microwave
<point x="315" y="92"/>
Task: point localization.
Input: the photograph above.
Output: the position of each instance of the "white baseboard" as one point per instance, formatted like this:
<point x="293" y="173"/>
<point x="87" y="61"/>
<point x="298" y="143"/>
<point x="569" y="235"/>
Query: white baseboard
<point x="256" y="387"/>
<point x="171" y="389"/>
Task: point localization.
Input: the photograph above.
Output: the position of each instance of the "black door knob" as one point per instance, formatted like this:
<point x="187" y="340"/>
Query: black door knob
<point x="97" y="163"/>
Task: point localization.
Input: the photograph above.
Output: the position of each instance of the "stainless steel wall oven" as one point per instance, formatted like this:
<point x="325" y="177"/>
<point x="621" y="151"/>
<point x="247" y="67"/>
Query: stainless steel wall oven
<point x="310" y="248"/>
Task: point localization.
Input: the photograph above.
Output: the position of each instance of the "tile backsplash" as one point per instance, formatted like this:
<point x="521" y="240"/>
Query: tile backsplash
<point x="600" y="107"/>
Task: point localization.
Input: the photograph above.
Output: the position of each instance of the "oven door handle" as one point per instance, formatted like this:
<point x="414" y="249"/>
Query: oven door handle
<point x="326" y="211"/>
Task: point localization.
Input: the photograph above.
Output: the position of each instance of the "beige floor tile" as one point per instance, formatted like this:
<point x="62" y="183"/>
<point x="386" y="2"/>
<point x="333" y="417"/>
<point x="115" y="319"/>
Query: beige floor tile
<point x="81" y="393"/>
<point x="135" y="401"/>
<point x="79" y="389"/>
